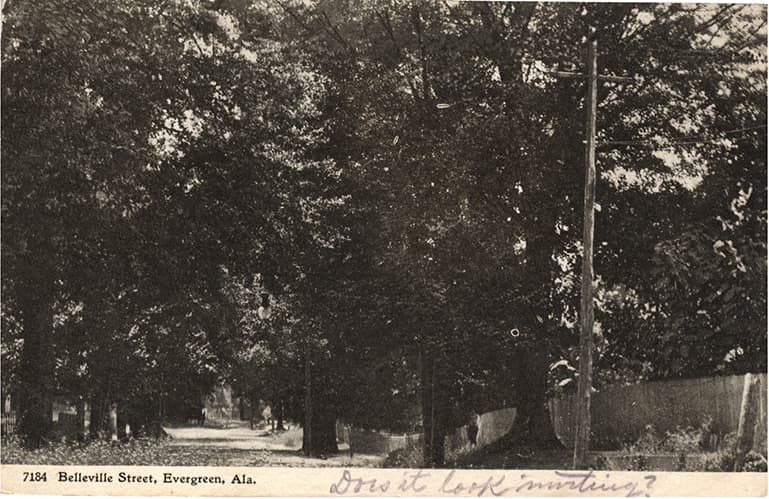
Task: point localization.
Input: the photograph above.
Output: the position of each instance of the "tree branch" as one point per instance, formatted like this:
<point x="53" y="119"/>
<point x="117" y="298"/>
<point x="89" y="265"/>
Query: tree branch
<point x="295" y="17"/>
<point x="334" y="32"/>
<point x="385" y="20"/>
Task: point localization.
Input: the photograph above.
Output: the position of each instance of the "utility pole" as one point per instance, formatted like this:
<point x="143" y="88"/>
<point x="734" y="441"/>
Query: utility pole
<point x="582" y="429"/>
<point x="582" y="433"/>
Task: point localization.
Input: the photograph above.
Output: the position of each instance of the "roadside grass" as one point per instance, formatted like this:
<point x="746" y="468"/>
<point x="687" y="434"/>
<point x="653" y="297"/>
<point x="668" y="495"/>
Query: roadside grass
<point x="137" y="452"/>
<point x="487" y="457"/>
<point x="284" y="450"/>
<point x="290" y="438"/>
<point x="625" y="460"/>
<point x="683" y="449"/>
<point x="514" y="457"/>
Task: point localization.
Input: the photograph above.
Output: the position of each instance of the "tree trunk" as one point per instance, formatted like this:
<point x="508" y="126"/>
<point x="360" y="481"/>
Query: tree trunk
<point x="36" y="366"/>
<point x="321" y="440"/>
<point x="434" y="409"/>
<point x="99" y="417"/>
<point x="319" y="432"/>
<point x="533" y="424"/>
<point x="440" y="408"/>
<point x="281" y="416"/>
<point x="254" y="402"/>
<point x="307" y="429"/>
<point x="96" y="417"/>
<point x="426" y="389"/>
<point x="325" y="432"/>
<point x="83" y="419"/>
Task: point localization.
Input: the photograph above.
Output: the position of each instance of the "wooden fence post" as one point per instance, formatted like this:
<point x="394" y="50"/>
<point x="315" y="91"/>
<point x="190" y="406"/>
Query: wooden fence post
<point x="749" y="415"/>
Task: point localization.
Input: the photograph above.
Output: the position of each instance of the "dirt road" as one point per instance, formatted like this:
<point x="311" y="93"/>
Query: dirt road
<point x="239" y="445"/>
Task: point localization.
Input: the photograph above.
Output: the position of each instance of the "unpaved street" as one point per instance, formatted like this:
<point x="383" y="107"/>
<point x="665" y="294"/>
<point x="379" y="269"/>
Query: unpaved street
<point x="239" y="445"/>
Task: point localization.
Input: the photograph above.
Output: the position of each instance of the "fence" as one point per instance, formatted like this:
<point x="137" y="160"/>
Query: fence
<point x="7" y="424"/>
<point x="491" y="427"/>
<point x="373" y="442"/>
<point x="620" y="414"/>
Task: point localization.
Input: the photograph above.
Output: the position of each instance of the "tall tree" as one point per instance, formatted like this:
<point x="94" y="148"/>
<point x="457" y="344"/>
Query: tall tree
<point x="143" y="173"/>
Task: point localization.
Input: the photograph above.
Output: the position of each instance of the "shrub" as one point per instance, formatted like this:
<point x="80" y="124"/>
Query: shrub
<point x="755" y="462"/>
<point x="648" y="443"/>
<point x="685" y="441"/>
<point x="678" y="441"/>
<point x="459" y="452"/>
<point x="409" y="456"/>
<point x="724" y="461"/>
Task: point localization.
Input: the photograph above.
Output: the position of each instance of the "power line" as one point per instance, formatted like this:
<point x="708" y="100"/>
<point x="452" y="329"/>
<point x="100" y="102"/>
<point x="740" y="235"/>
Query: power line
<point x="673" y="145"/>
<point x="701" y="139"/>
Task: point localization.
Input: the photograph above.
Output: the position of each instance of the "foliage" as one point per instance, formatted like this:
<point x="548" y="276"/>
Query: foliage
<point x="469" y="174"/>
<point x="404" y="179"/>
<point x="410" y="456"/>
<point x="694" y="446"/>
<point x="123" y="217"/>
<point x="724" y="461"/>
<point x="679" y="441"/>
<point x="689" y="299"/>
<point x="136" y="453"/>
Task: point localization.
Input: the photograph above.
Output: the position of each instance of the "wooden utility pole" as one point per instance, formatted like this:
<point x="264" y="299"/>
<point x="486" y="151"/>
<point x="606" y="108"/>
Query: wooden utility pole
<point x="582" y="429"/>
<point x="582" y="433"/>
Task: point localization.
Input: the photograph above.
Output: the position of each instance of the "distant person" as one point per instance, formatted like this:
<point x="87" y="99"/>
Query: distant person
<point x="203" y="416"/>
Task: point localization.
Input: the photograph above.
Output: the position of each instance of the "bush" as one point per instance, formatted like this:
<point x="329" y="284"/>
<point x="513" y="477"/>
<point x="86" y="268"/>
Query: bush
<point x="406" y="457"/>
<point x="458" y="453"/>
<point x="724" y="461"/>
<point x="755" y="462"/>
<point x="686" y="441"/>
<point x="679" y="441"/>
<point x="411" y="456"/>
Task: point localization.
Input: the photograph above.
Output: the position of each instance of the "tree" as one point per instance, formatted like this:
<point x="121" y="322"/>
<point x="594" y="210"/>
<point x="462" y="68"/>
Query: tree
<point x="420" y="192"/>
<point x="61" y="138"/>
<point x="426" y="86"/>
<point x="134" y="212"/>
<point x="403" y="180"/>
<point x="698" y="169"/>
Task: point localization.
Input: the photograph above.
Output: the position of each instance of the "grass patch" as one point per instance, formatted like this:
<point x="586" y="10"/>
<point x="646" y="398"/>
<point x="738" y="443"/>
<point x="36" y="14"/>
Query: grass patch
<point x="487" y="457"/>
<point x="682" y="449"/>
<point x="513" y="457"/>
<point x="138" y="452"/>
<point x="406" y="457"/>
